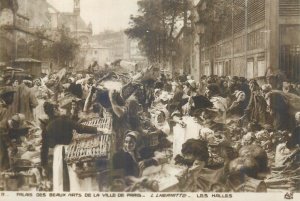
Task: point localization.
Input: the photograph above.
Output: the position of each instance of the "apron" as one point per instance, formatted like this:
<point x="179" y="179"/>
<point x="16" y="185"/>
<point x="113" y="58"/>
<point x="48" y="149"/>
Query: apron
<point x="60" y="171"/>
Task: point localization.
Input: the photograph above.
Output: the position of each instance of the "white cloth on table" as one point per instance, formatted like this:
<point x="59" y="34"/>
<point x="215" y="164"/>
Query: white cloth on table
<point x="86" y="184"/>
<point x="182" y="134"/>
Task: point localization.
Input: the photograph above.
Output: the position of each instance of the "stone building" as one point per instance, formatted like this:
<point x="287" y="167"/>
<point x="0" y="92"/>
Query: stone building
<point x="19" y="21"/>
<point x="119" y="46"/>
<point x="92" y="53"/>
<point x="262" y="38"/>
<point x="73" y="22"/>
<point x="78" y="29"/>
<point x="116" y="41"/>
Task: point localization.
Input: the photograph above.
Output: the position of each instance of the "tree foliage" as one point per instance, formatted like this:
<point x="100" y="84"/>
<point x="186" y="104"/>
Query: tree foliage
<point x="64" y="50"/>
<point x="156" y="26"/>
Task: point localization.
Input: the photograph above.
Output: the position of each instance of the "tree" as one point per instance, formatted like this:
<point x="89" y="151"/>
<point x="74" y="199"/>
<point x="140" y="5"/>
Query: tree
<point x="64" y="50"/>
<point x="155" y="26"/>
<point x="38" y="48"/>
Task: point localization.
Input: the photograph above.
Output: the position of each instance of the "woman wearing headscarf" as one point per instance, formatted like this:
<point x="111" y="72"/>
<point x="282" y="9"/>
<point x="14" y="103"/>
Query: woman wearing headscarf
<point x="128" y="160"/>
<point x="238" y="105"/>
<point x="257" y="107"/>
<point x="190" y="88"/>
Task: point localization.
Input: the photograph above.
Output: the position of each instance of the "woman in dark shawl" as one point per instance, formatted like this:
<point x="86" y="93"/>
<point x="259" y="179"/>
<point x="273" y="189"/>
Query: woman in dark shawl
<point x="256" y="110"/>
<point x="278" y="108"/>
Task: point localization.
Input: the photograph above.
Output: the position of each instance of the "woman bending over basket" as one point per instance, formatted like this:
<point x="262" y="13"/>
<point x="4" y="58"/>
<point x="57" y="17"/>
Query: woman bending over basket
<point x="57" y="133"/>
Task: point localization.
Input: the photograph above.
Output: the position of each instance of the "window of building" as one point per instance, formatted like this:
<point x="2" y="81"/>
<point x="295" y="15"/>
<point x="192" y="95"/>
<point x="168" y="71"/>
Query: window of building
<point x="250" y="68"/>
<point x="261" y="66"/>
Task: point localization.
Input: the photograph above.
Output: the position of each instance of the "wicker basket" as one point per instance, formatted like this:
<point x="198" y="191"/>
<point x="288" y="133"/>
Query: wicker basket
<point x="91" y="147"/>
<point x="87" y="149"/>
<point x="104" y="124"/>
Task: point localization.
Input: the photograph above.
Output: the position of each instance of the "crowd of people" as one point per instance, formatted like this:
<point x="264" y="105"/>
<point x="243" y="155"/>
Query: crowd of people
<point x="223" y="131"/>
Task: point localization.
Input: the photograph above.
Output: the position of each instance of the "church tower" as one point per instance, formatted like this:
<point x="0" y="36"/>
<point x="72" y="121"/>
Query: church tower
<point x="76" y="7"/>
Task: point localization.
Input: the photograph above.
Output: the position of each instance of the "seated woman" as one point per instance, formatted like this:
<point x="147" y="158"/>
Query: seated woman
<point x="238" y="105"/>
<point x="198" y="177"/>
<point x="128" y="159"/>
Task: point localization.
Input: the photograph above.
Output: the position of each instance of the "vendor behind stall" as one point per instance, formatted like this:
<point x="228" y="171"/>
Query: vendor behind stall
<point x="56" y="133"/>
<point x="128" y="159"/>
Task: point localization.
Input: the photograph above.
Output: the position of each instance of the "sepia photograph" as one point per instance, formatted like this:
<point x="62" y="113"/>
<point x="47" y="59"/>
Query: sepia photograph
<point x="176" y="99"/>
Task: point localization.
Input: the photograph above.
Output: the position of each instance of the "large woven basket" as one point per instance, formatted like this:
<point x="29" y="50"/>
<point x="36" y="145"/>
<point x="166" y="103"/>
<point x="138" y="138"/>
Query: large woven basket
<point x="87" y="147"/>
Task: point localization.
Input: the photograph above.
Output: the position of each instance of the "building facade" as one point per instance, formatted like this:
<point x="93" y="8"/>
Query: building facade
<point x="119" y="46"/>
<point x="94" y="53"/>
<point x="262" y="38"/>
<point x="19" y="22"/>
<point x="71" y="21"/>
<point x="115" y="41"/>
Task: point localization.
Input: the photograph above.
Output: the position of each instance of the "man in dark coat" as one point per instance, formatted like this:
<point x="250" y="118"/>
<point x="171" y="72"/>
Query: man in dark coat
<point x="6" y="99"/>
<point x="24" y="101"/>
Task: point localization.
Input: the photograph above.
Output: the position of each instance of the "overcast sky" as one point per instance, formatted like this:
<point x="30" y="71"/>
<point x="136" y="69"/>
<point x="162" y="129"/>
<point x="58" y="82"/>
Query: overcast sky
<point x="104" y="14"/>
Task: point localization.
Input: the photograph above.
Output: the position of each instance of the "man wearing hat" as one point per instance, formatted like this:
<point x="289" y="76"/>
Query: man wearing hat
<point x="6" y="99"/>
<point x="24" y="101"/>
